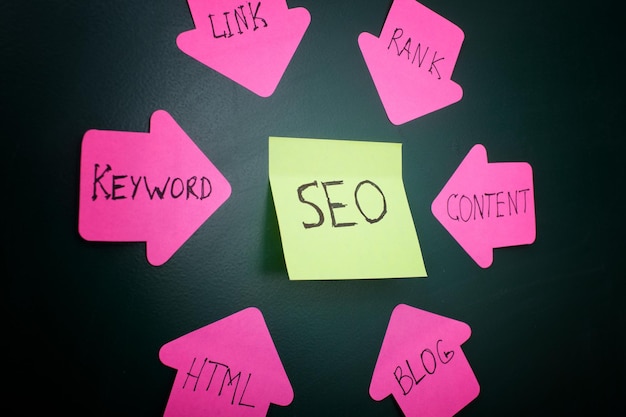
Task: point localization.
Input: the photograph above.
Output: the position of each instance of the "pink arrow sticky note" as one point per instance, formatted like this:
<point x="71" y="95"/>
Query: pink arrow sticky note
<point x="251" y="43"/>
<point x="422" y="365"/>
<point x="227" y="368"/>
<point x="488" y="205"/>
<point x="411" y="63"/>
<point x="155" y="187"/>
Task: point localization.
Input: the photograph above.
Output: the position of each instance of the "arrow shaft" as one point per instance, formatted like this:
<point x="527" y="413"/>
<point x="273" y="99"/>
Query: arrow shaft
<point x="129" y="181"/>
<point x="481" y="205"/>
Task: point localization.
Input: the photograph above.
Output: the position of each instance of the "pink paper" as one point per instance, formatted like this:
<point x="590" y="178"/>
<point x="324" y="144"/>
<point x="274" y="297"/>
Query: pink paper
<point x="251" y="43"/>
<point x="411" y="63"/>
<point x="422" y="365"/>
<point x="488" y="205"/>
<point x="227" y="368"/>
<point x="155" y="187"/>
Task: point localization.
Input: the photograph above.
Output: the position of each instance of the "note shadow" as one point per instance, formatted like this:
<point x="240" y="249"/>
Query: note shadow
<point x="272" y="248"/>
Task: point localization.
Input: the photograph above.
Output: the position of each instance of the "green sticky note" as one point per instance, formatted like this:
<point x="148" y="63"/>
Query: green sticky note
<point x="342" y="209"/>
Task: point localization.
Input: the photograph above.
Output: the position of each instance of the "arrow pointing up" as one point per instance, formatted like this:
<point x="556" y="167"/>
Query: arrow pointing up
<point x="422" y="365"/>
<point x="487" y="205"/>
<point x="411" y="62"/>
<point x="155" y="187"/>
<point x="227" y="368"/>
<point x="251" y="43"/>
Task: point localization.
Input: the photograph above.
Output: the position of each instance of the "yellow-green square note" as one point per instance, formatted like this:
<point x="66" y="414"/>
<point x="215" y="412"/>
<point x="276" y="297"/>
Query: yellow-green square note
<point x="342" y="209"/>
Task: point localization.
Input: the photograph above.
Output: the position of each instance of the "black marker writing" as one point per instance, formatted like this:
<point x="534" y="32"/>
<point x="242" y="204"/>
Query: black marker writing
<point x="486" y="205"/>
<point x="428" y="360"/>
<point x="417" y="52"/>
<point x="240" y="21"/>
<point x="116" y="187"/>
<point x="334" y="205"/>
<point x="194" y="375"/>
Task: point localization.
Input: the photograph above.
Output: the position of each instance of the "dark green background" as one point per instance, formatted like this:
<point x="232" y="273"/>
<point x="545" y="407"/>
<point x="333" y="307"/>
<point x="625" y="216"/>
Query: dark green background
<point x="543" y="83"/>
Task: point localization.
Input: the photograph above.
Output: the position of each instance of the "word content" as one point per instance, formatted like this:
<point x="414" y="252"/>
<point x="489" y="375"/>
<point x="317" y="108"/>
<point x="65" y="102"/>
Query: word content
<point x="334" y="205"/>
<point x="486" y="205"/>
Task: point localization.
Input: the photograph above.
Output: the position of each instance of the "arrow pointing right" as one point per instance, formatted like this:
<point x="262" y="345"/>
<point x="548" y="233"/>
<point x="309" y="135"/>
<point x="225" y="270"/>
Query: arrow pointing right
<point x="155" y="187"/>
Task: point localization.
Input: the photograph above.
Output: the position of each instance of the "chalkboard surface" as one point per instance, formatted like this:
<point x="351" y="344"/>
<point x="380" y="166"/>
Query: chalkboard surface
<point x="542" y="83"/>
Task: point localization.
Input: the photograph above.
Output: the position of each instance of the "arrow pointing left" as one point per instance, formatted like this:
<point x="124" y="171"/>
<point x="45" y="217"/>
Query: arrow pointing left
<point x="155" y="187"/>
<point x="488" y="205"/>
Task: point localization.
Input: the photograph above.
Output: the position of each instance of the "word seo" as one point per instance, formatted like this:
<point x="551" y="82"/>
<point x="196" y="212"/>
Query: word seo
<point x="369" y="199"/>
